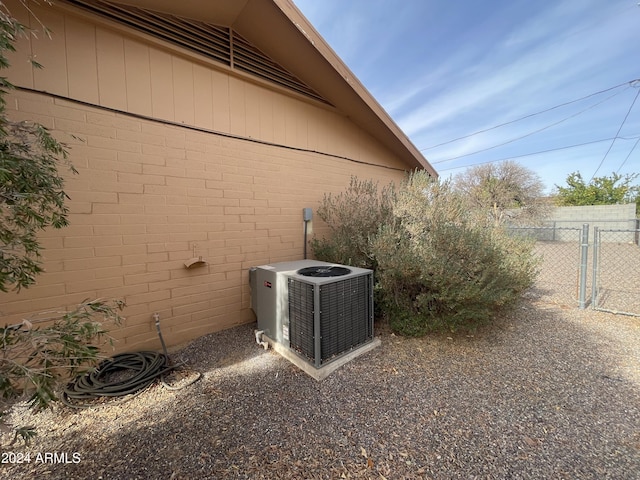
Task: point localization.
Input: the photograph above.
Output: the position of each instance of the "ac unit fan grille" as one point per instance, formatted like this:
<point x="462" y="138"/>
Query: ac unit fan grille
<point x="322" y="271"/>
<point x="345" y="316"/>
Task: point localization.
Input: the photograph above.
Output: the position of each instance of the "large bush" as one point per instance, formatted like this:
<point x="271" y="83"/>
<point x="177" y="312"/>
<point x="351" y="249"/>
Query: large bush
<point x="437" y="267"/>
<point x="353" y="218"/>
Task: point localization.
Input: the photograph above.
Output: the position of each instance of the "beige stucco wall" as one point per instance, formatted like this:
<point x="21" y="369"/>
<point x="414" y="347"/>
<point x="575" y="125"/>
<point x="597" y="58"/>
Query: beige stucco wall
<point x="149" y="192"/>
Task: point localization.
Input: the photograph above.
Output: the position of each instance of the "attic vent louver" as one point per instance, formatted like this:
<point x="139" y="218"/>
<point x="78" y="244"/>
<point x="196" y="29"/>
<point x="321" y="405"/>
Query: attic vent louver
<point x="218" y="43"/>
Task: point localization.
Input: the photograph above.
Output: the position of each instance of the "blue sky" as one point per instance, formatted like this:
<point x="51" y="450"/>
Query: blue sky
<point x="446" y="69"/>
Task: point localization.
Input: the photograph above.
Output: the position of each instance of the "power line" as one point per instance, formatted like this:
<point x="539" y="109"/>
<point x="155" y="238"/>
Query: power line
<point x="616" y="136"/>
<point x="532" y="114"/>
<point x="540" y="152"/>
<point x="625" y="160"/>
<point x="530" y="133"/>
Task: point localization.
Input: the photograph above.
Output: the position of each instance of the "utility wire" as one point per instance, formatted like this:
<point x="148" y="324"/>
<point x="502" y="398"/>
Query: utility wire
<point x="625" y="160"/>
<point x="531" y="115"/>
<point x="530" y="133"/>
<point x="540" y="152"/>
<point x="616" y="136"/>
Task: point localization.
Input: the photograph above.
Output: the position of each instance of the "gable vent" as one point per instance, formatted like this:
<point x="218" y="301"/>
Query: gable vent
<point x="217" y="43"/>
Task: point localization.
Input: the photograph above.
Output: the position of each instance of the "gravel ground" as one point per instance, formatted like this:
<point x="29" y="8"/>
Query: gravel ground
<point x="549" y="392"/>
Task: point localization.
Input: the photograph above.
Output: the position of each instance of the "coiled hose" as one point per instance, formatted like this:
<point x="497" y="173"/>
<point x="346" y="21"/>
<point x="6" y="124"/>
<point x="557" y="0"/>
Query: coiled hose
<point x="146" y="366"/>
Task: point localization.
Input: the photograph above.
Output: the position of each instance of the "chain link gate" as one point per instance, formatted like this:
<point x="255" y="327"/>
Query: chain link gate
<point x="563" y="252"/>
<point x="566" y="271"/>
<point x="616" y="271"/>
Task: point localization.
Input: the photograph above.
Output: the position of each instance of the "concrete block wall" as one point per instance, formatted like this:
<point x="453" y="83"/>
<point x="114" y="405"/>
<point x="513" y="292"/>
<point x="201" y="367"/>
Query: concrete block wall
<point x="614" y="217"/>
<point x="605" y="217"/>
<point x="151" y="195"/>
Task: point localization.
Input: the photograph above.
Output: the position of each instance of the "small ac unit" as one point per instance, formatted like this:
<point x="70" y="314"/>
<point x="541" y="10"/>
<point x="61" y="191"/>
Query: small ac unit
<point x="319" y="310"/>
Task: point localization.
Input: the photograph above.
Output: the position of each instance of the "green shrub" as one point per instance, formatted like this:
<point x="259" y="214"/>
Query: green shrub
<point x="353" y="217"/>
<point x="35" y="360"/>
<point x="437" y="267"/>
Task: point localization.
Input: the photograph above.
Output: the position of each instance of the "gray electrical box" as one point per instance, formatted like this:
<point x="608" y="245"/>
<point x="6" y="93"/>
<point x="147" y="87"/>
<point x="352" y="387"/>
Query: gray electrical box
<point x="307" y="214"/>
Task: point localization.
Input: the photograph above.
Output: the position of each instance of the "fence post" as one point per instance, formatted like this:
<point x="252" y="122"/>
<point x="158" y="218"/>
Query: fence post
<point x="594" y="280"/>
<point x="583" y="265"/>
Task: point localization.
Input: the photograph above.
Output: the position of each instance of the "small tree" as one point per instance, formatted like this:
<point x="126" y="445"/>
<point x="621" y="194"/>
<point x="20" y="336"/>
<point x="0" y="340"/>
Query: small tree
<point x="31" y="187"/>
<point x="605" y="190"/>
<point x="506" y="191"/>
<point x="35" y="359"/>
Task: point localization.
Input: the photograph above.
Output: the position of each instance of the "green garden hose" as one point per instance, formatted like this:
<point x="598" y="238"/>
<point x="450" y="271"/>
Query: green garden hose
<point x="121" y="375"/>
<point x="146" y="368"/>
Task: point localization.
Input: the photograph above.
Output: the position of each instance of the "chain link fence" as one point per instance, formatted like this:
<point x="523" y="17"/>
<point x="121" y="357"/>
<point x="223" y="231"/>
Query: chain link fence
<point x="616" y="270"/>
<point x="575" y="269"/>
<point x="559" y="250"/>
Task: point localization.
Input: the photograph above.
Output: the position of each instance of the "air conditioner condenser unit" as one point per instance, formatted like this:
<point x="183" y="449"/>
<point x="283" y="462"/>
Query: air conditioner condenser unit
<point x="319" y="311"/>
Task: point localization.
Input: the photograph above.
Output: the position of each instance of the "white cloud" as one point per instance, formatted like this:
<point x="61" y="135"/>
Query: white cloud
<point x="443" y="71"/>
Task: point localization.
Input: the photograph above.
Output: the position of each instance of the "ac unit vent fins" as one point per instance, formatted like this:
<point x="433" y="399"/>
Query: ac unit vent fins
<point x="301" y="318"/>
<point x="345" y="316"/>
<point x="218" y="43"/>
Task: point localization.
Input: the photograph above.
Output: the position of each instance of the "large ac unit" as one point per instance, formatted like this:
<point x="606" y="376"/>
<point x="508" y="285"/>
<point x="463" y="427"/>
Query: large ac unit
<point x="319" y="310"/>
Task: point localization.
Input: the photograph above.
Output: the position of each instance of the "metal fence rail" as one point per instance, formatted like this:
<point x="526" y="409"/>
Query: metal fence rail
<point x="616" y="271"/>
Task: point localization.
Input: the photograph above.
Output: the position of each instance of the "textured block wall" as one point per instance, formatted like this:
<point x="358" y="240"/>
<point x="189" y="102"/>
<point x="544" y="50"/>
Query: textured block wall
<point x="603" y="216"/>
<point x="150" y="194"/>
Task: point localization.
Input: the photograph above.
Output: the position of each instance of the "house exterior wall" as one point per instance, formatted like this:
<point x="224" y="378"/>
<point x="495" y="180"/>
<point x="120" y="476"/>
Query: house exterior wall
<point x="175" y="157"/>
<point x="91" y="60"/>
